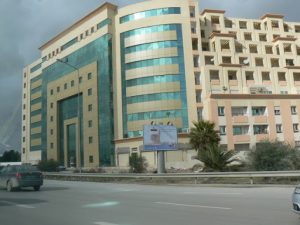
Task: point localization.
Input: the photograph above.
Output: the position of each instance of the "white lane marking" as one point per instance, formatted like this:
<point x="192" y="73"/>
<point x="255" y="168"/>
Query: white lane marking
<point x="104" y="223"/>
<point x="101" y="204"/>
<point x="211" y="193"/>
<point x="195" y="206"/>
<point x="19" y="205"/>
<point x="26" y="206"/>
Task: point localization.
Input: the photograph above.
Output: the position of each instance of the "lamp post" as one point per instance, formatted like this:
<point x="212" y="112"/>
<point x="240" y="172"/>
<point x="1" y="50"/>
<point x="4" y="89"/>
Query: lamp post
<point x="78" y="142"/>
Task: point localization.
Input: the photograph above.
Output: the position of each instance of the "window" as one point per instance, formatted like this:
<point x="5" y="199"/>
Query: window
<point x="90" y="140"/>
<point x="253" y="48"/>
<point x="260" y="129"/>
<point x="265" y="76"/>
<point x="256" y="26"/>
<point x="296" y="76"/>
<point x="58" y="89"/>
<point x="90" y="91"/>
<point x="240" y="130"/>
<point x="24" y="96"/>
<point x="65" y="86"/>
<point x="295" y="128"/>
<point x="238" y="47"/>
<point x="23" y="150"/>
<point x="197" y="78"/>
<point x="51" y="92"/>
<point x="24" y="128"/>
<point x="269" y="49"/>
<point x="249" y="75"/>
<point x="24" y="139"/>
<point x="90" y="107"/>
<point x="24" y="106"/>
<point x="89" y="76"/>
<point x="274" y="62"/>
<point x="239" y="111"/>
<point x="222" y="130"/>
<point x="80" y="79"/>
<point x="86" y="33"/>
<point x="226" y="59"/>
<point x="293" y="110"/>
<point x="51" y="118"/>
<point x="72" y="83"/>
<point x="243" y="24"/>
<point x="262" y="37"/>
<point x="241" y="147"/>
<point x="51" y="105"/>
<point x="203" y="33"/>
<point x="228" y="23"/>
<point x="297" y="144"/>
<point x="198" y="96"/>
<point x="51" y="131"/>
<point x="209" y="60"/>
<point x="225" y="45"/>
<point x="259" y="62"/>
<point x="275" y="24"/>
<point x="248" y="36"/>
<point x="221" y="111"/>
<point x="81" y="36"/>
<point x="278" y="128"/>
<point x="92" y="30"/>
<point x="281" y="76"/>
<point x="214" y="75"/>
<point x="232" y="75"/>
<point x="90" y="123"/>
<point x="277" y="110"/>
<point x="91" y="159"/>
<point x="24" y="85"/>
<point x="24" y="117"/>
<point x="258" y="111"/>
<point x="289" y="62"/>
<point x="51" y="145"/>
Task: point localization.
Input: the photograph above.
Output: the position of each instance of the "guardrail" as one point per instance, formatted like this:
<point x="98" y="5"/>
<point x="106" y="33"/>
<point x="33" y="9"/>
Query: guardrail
<point x="194" y="176"/>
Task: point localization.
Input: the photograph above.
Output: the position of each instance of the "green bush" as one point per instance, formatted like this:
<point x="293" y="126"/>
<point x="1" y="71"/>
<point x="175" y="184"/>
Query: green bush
<point x="216" y="158"/>
<point x="274" y="156"/>
<point x="48" y="165"/>
<point x="137" y="163"/>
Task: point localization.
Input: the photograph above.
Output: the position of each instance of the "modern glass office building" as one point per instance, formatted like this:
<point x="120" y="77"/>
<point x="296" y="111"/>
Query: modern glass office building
<point x="97" y="83"/>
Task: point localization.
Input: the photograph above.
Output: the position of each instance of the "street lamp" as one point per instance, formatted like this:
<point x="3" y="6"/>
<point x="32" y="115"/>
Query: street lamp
<point x="78" y="109"/>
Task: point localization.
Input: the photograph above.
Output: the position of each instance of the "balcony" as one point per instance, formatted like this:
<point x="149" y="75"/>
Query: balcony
<point x="282" y="83"/>
<point x="297" y="83"/>
<point x="215" y="82"/>
<point x="233" y="82"/>
<point x="240" y="119"/>
<point x="260" y="119"/>
<point x="262" y="137"/>
<point x="241" y="138"/>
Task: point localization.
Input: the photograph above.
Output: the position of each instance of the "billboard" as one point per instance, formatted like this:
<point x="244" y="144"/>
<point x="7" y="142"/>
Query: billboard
<point x="160" y="137"/>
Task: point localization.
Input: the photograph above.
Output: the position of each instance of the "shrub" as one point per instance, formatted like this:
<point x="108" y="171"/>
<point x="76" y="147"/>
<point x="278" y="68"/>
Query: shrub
<point x="274" y="156"/>
<point x="48" y="165"/>
<point x="137" y="163"/>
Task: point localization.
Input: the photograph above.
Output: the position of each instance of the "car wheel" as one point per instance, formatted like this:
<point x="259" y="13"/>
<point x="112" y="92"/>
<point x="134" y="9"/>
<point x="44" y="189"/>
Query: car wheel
<point x="9" y="186"/>
<point x="36" y="188"/>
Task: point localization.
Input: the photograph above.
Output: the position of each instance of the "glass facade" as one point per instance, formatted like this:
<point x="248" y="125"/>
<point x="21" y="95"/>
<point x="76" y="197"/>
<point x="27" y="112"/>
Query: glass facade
<point x="152" y="80"/>
<point x="103" y="23"/>
<point x="98" y="51"/>
<point x="151" y="46"/>
<point x="153" y="97"/>
<point x="150" y="13"/>
<point x="157" y="78"/>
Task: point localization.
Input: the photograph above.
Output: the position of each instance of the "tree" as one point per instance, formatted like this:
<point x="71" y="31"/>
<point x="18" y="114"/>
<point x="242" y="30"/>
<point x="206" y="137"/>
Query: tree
<point x="203" y="135"/>
<point x="11" y="156"/>
<point x="216" y="158"/>
<point x="273" y="156"/>
<point x="137" y="163"/>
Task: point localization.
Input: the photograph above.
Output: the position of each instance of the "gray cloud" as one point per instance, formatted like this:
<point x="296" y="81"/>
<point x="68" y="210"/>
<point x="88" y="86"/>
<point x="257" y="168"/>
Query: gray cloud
<point x="27" y="24"/>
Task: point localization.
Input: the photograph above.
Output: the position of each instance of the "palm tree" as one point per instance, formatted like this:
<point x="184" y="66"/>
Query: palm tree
<point x="216" y="158"/>
<point x="203" y="135"/>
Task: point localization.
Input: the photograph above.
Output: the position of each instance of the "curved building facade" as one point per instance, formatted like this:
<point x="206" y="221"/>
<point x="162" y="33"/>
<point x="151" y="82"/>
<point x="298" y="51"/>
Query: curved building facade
<point x="87" y="99"/>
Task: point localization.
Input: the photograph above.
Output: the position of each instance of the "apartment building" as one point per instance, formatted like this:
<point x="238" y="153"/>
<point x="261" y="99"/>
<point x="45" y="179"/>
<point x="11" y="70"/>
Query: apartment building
<point x="96" y="84"/>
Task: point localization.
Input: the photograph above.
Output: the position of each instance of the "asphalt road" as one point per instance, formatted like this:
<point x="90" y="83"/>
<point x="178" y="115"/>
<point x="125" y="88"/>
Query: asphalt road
<point x="81" y="203"/>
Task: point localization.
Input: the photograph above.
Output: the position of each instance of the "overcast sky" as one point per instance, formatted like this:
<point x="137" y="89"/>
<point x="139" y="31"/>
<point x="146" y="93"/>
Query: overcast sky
<point x="26" y="24"/>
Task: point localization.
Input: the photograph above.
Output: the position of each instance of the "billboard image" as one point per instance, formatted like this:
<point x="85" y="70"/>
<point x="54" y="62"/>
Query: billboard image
<point x="160" y="137"/>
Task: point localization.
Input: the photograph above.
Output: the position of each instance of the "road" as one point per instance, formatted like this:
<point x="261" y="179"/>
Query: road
<point x="83" y="203"/>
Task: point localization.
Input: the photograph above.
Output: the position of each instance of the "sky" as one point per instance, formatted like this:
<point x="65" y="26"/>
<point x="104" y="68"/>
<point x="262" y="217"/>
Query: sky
<point x="26" y="24"/>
